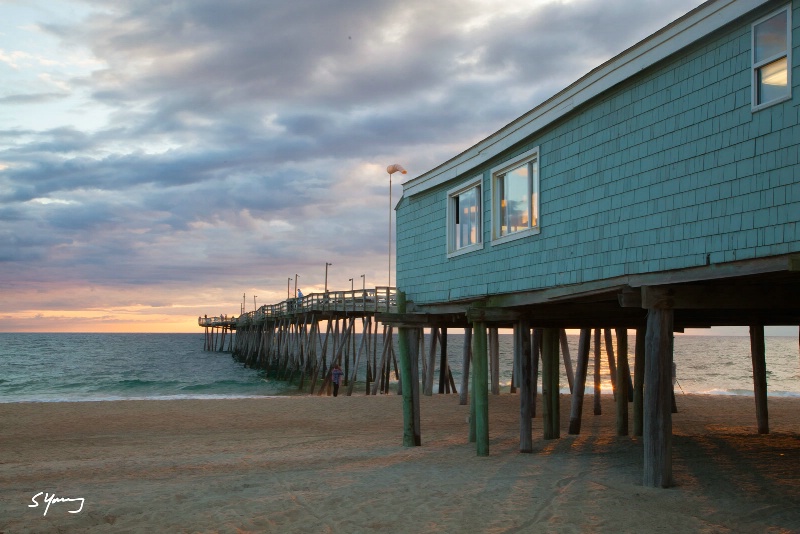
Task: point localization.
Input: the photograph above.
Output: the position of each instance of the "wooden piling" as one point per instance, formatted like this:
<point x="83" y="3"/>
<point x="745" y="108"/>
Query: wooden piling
<point x="522" y="354"/>
<point x="758" y="356"/>
<point x="480" y="387"/>
<point x="443" y="365"/>
<point x="598" y="410"/>
<point x="494" y="359"/>
<point x="638" y="382"/>
<point x="657" y="435"/>
<point x="466" y="357"/>
<point x="536" y="356"/>
<point x="431" y="362"/>
<point x="576" y="412"/>
<point x="622" y="380"/>
<point x="406" y="343"/>
<point x="562" y="337"/>
<point x="550" y="391"/>
<point x="612" y="365"/>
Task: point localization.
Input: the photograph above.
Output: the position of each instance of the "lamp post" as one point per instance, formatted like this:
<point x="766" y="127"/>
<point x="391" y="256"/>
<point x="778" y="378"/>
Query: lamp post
<point x="288" y="286"/>
<point x="295" y="285"/>
<point x="363" y="282"/>
<point x="254" y="303"/>
<point x="351" y="284"/>
<point x="391" y="169"/>
<point x="326" y="276"/>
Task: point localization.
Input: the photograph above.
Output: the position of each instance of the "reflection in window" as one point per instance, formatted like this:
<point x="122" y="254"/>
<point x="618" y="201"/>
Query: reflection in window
<point x="771" y="49"/>
<point x="516" y="193"/>
<point x="464" y="218"/>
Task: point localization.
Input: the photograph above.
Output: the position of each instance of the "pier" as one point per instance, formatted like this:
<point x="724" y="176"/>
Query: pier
<point x="302" y="338"/>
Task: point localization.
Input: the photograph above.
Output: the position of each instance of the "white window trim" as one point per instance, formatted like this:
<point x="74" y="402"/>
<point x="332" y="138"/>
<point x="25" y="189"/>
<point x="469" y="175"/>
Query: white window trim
<point x="504" y="167"/>
<point x="476" y="181"/>
<point x="754" y="67"/>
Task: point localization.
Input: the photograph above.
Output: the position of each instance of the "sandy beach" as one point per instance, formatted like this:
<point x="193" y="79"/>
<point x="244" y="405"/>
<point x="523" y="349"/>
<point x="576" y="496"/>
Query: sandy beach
<point x="323" y="464"/>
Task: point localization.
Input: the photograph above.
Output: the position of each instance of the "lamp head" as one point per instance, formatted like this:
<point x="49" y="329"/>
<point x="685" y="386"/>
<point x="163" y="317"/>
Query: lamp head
<point x="396" y="167"/>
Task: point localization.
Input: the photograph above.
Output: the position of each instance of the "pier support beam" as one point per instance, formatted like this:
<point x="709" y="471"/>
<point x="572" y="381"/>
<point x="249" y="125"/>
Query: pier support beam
<point x="407" y="345"/>
<point x="638" y="381"/>
<point x="522" y="350"/>
<point x="550" y="392"/>
<point x="480" y="387"/>
<point x="657" y="436"/>
<point x="623" y="377"/>
<point x="579" y="387"/>
<point x="598" y="409"/>
<point x="444" y="366"/>
<point x="466" y="358"/>
<point x="758" y="355"/>
<point x="494" y="359"/>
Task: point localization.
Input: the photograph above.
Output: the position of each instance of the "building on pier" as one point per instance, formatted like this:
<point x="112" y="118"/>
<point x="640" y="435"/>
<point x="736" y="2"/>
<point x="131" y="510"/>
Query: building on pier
<point x="660" y="191"/>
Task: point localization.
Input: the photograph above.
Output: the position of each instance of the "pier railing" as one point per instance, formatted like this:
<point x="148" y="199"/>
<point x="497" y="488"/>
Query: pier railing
<point x="220" y="320"/>
<point x="380" y="299"/>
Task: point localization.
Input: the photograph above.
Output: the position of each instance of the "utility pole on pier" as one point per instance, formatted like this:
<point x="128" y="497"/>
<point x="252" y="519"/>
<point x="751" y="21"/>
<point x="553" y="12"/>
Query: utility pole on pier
<point x="326" y="276"/>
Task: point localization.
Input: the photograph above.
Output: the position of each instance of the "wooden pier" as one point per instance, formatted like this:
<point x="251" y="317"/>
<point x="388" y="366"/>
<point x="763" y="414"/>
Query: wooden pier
<point x="301" y="339"/>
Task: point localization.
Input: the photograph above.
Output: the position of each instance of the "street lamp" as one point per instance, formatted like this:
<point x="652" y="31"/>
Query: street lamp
<point x="363" y="282"/>
<point x="351" y="284"/>
<point x="391" y="169"/>
<point x="254" y="303"/>
<point x="326" y="276"/>
<point x="288" y="286"/>
<point x="295" y="284"/>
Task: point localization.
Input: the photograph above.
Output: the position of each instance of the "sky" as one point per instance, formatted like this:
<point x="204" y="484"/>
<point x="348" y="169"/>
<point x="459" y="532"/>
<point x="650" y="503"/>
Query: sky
<point x="163" y="160"/>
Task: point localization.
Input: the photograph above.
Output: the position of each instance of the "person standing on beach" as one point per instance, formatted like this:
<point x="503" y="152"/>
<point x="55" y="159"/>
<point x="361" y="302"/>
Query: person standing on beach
<point x="336" y="378"/>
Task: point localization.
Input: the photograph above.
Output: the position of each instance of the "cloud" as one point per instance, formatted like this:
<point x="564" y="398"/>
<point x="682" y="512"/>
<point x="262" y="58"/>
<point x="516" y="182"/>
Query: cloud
<point x="33" y="98"/>
<point x="243" y="142"/>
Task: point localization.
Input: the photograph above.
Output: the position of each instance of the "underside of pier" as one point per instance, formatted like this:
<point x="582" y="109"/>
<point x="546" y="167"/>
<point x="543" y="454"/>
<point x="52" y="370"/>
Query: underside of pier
<point x="753" y="293"/>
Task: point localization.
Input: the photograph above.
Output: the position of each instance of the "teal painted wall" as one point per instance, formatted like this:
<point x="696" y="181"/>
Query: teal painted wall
<point x="666" y="171"/>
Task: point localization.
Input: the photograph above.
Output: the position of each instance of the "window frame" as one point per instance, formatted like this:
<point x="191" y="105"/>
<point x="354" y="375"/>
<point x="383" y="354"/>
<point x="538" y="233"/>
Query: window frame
<point x="473" y="183"/>
<point x="530" y="156"/>
<point x="755" y="67"/>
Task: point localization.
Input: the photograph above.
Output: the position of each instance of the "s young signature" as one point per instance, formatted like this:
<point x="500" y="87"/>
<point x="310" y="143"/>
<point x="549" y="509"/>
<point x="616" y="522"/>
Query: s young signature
<point x="50" y="498"/>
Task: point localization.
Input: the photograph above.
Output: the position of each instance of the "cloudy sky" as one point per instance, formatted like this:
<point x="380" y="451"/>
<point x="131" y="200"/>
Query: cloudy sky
<point x="161" y="159"/>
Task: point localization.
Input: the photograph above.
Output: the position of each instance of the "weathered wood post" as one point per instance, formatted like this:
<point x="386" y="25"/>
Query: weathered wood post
<point x="536" y="354"/>
<point x="480" y="387"/>
<point x="431" y="362"/>
<point x="407" y="342"/>
<point x="612" y="366"/>
<point x="623" y="375"/>
<point x="638" y="382"/>
<point x="562" y="337"/>
<point x="443" y="365"/>
<point x="551" y="411"/>
<point x="522" y="350"/>
<point x="657" y="437"/>
<point x="494" y="359"/>
<point x="598" y="410"/>
<point x="465" y="361"/>
<point x="758" y="355"/>
<point x="576" y="412"/>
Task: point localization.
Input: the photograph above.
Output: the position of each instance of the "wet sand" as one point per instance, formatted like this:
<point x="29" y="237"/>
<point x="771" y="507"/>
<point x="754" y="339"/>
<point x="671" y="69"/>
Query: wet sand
<point x="323" y="464"/>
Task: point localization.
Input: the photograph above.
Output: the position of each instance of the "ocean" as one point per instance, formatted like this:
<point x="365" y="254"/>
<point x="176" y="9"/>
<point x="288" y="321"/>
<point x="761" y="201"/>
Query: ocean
<point x="95" y="367"/>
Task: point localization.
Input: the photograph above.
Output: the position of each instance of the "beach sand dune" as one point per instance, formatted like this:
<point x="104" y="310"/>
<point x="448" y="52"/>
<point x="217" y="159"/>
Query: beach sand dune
<point x="323" y="464"/>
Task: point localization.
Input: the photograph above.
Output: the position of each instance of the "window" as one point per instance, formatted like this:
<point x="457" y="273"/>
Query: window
<point x="771" y="51"/>
<point x="515" y="194"/>
<point x="464" y="228"/>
